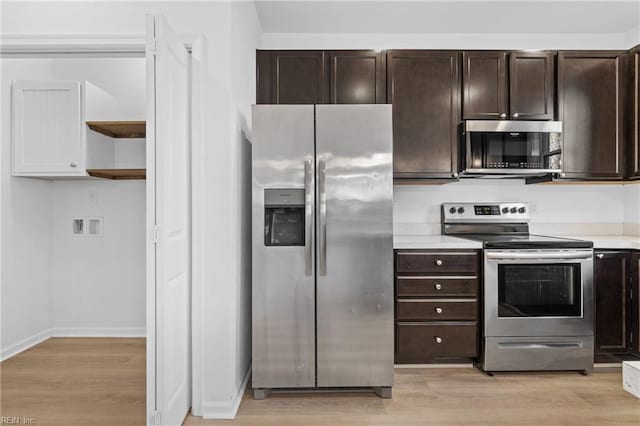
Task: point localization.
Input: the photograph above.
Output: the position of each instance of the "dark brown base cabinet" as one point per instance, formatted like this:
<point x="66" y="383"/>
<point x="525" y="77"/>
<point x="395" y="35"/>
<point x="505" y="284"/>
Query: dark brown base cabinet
<point x="633" y="153"/>
<point x="635" y="302"/>
<point x="616" y="306"/>
<point x="437" y="311"/>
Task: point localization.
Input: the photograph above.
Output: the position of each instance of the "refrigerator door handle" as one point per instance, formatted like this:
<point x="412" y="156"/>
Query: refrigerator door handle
<point x="308" y="213"/>
<point x="322" y="196"/>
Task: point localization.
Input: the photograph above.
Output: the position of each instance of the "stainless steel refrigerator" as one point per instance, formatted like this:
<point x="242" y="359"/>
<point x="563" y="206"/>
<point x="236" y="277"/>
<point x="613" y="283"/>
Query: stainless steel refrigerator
<point x="322" y="248"/>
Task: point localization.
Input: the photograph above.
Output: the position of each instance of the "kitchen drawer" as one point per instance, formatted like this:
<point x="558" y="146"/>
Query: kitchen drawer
<point x="437" y="286"/>
<point x="418" y="343"/>
<point x="463" y="262"/>
<point x="436" y="310"/>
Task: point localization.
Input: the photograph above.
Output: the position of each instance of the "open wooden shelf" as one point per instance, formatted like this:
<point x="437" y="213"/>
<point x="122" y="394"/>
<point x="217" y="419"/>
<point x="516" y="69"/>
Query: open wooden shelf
<point x="120" y="129"/>
<point x="118" y="174"/>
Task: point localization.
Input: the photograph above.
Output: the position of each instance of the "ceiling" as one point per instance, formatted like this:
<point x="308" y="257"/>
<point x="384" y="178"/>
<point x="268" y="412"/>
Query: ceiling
<point x="535" y="17"/>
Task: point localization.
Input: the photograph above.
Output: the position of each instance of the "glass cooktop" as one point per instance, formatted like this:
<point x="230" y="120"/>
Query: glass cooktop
<point x="526" y="241"/>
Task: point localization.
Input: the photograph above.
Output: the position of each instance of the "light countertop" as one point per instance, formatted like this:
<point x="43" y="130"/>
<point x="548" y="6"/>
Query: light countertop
<point x="620" y="242"/>
<point x="433" y="242"/>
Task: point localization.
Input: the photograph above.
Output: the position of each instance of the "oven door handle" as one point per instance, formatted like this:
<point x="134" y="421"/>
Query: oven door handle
<point x="538" y="256"/>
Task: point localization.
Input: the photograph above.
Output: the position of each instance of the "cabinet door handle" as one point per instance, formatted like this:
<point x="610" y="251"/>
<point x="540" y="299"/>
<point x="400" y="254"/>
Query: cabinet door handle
<point x="438" y="339"/>
<point x="438" y="286"/>
<point x="438" y="310"/>
<point x="439" y="262"/>
<point x="503" y="115"/>
<point x="515" y="115"/>
<point x="73" y="165"/>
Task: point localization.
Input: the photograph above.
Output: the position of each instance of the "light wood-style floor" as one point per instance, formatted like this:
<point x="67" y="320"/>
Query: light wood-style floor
<point x="77" y="381"/>
<point x="455" y="397"/>
<point x="102" y="382"/>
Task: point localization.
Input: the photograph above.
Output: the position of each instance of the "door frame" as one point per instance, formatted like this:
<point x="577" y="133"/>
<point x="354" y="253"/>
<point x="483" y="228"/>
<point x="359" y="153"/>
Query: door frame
<point x="116" y="47"/>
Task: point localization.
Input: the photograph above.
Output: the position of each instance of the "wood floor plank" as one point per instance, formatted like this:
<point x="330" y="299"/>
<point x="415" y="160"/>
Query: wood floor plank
<point x="77" y="381"/>
<point x="102" y="382"/>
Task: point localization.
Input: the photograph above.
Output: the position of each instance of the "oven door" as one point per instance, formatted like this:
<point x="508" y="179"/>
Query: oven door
<point x="538" y="293"/>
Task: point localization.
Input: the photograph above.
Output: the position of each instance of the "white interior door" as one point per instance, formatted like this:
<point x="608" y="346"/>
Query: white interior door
<point x="168" y="219"/>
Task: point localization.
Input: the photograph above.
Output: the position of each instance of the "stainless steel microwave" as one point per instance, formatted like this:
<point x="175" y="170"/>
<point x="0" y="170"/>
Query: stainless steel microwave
<point x="512" y="147"/>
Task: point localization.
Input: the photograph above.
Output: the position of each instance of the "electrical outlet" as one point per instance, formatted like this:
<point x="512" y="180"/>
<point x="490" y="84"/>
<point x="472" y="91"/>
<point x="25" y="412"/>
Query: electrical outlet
<point x="77" y="227"/>
<point x="95" y="227"/>
<point x="534" y="208"/>
<point x="87" y="227"/>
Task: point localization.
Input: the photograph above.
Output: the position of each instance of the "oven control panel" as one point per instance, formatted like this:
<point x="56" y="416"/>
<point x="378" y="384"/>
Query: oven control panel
<point x="485" y="212"/>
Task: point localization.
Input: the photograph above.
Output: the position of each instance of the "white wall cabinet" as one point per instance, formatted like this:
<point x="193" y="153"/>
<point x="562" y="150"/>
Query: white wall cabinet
<point x="50" y="136"/>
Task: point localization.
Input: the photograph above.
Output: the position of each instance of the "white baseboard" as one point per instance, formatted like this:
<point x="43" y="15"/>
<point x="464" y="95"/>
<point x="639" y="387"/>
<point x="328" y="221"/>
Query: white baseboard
<point x="24" y="344"/>
<point x="224" y="410"/>
<point x="99" y="332"/>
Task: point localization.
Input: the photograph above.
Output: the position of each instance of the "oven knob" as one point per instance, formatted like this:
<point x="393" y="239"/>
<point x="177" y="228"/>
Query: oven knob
<point x="438" y="339"/>
<point x="439" y="262"/>
<point x="438" y="287"/>
<point x="452" y="210"/>
<point x="522" y="210"/>
<point x="505" y="210"/>
<point x="460" y="210"/>
<point x="438" y="310"/>
<point x="513" y="210"/>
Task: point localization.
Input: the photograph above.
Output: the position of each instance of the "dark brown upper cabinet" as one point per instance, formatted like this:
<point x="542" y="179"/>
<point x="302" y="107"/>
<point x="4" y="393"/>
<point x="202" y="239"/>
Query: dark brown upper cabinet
<point x="508" y="85"/>
<point x="485" y="85"/>
<point x="291" y="77"/>
<point x="424" y="88"/>
<point x="357" y="76"/>
<point x="612" y="302"/>
<point x="592" y="100"/>
<point x="320" y="77"/>
<point x="633" y="152"/>
<point x="531" y="85"/>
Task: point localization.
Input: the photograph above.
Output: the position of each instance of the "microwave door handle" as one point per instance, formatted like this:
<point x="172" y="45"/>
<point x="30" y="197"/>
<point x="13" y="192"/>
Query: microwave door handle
<point x="538" y="256"/>
<point x="322" y="197"/>
<point x="308" y="216"/>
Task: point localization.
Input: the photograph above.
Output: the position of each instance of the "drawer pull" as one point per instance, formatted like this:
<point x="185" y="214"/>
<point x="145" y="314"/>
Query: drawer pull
<point x="439" y="262"/>
<point x="438" y="310"/>
<point x="438" y="339"/>
<point x="438" y="286"/>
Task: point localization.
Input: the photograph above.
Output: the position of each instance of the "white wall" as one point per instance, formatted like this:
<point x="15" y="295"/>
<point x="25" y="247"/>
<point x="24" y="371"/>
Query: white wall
<point x="632" y="209"/>
<point x="98" y="284"/>
<point x="227" y="320"/>
<point x="557" y="209"/>
<point x="444" y="41"/>
<point x="26" y="233"/>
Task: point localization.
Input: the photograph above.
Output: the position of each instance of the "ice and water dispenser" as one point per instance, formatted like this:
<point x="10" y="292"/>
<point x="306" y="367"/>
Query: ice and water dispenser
<point x="284" y="217"/>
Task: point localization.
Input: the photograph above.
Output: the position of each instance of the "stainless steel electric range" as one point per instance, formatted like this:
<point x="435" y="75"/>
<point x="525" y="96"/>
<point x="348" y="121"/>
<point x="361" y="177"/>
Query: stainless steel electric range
<point x="538" y="290"/>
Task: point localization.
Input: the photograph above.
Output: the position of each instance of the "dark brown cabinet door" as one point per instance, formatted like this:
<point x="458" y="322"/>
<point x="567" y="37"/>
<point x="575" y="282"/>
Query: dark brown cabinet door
<point x="357" y="77"/>
<point x="531" y="85"/>
<point x="291" y="77"/>
<point x="424" y="88"/>
<point x="634" y="301"/>
<point x="612" y="313"/>
<point x="592" y="99"/>
<point x="633" y="158"/>
<point x="485" y="85"/>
